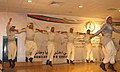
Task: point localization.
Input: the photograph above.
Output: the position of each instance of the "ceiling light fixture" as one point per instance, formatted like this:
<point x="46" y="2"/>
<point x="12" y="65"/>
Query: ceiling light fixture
<point x="54" y="3"/>
<point x="29" y="1"/>
<point x="80" y="6"/>
<point x="119" y="10"/>
<point x="112" y="9"/>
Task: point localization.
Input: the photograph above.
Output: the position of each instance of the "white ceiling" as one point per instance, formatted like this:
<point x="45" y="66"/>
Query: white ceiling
<point x="92" y="8"/>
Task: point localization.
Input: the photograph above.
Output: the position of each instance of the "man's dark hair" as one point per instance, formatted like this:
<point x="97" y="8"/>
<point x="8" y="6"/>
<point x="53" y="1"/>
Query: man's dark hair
<point x="88" y="30"/>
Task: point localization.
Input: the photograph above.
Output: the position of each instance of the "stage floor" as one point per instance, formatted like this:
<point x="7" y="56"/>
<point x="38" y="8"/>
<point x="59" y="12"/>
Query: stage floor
<point x="77" y="67"/>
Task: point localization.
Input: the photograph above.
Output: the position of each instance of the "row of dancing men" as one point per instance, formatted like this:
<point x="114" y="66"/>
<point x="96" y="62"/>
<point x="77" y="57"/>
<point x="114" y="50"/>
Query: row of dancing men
<point x="31" y="46"/>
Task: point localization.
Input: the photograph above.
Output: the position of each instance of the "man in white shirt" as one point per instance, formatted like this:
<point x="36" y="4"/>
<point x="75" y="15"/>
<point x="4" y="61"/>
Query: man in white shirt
<point x="108" y="43"/>
<point x="31" y="46"/>
<point x="11" y="31"/>
<point x="70" y="45"/>
<point x="50" y="44"/>
<point x="88" y="46"/>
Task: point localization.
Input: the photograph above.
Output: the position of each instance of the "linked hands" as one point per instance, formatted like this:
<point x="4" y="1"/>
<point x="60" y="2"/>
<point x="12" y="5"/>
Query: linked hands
<point x="91" y="36"/>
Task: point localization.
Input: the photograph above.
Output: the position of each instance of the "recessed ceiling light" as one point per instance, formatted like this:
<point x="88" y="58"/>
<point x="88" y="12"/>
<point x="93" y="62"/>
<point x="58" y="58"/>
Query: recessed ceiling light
<point x="119" y="10"/>
<point x="29" y="1"/>
<point x="80" y="6"/>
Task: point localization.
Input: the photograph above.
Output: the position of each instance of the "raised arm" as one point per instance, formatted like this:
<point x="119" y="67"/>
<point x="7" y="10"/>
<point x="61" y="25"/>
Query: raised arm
<point x="8" y="25"/>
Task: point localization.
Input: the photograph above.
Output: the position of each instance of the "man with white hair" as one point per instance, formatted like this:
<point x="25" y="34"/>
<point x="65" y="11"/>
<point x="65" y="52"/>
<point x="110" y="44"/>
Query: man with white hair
<point x="108" y="43"/>
<point x="31" y="46"/>
<point x="11" y="31"/>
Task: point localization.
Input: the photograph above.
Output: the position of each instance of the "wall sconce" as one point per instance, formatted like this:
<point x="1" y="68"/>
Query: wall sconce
<point x="90" y="25"/>
<point x="29" y="1"/>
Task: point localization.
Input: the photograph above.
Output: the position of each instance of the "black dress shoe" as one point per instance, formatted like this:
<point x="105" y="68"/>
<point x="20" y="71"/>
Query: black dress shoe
<point x="102" y="65"/>
<point x="47" y="62"/>
<point x="87" y="61"/>
<point x="50" y="63"/>
<point x="10" y="62"/>
<point x="13" y="65"/>
<point x="31" y="59"/>
<point x="92" y="61"/>
<point x="111" y="67"/>
<point x="26" y="59"/>
<point x="71" y="62"/>
<point x="67" y="61"/>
